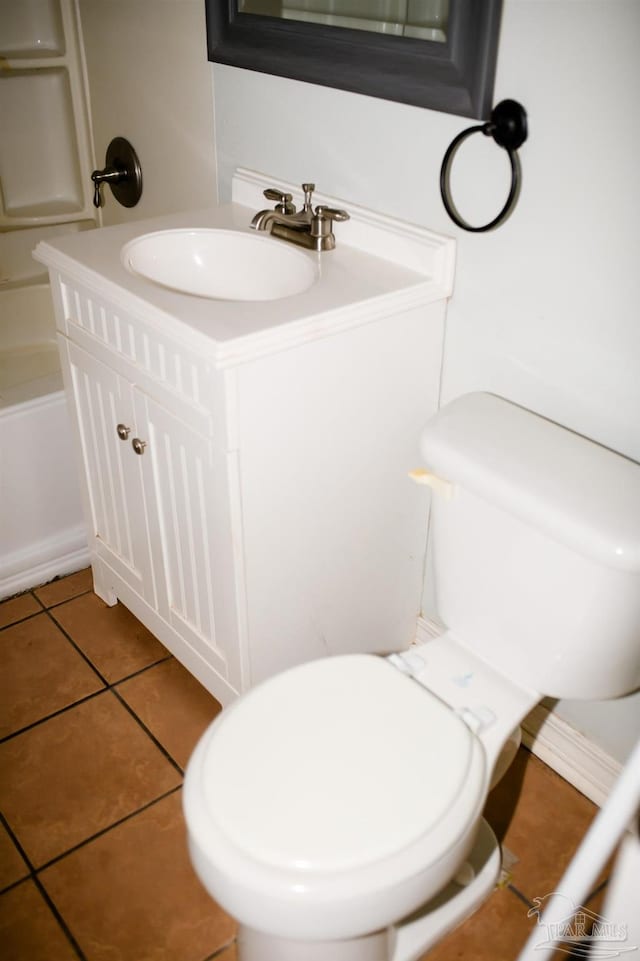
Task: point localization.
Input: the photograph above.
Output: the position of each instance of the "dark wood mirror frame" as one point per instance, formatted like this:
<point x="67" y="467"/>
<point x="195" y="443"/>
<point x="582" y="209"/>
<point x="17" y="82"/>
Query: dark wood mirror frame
<point x="455" y="76"/>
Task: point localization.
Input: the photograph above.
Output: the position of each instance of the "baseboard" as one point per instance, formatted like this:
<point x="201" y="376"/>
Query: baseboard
<point x="39" y="563"/>
<point x="569" y="753"/>
<point x="574" y="757"/>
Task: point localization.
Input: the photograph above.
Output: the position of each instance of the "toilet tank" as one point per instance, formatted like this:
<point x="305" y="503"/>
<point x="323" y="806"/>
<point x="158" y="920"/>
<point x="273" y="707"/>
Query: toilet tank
<point x="535" y="538"/>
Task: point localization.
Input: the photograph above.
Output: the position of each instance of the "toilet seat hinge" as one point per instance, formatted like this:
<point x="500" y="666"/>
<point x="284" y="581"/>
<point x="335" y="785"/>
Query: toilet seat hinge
<point x="477" y="719"/>
<point x="408" y="662"/>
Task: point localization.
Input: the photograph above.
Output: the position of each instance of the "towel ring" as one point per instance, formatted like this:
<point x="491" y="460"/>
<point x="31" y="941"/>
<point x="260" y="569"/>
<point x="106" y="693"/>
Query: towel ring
<point x="508" y="127"/>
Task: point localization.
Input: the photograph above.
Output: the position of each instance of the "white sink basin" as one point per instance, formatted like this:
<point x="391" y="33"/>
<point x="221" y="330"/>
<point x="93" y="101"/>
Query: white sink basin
<point x="222" y="264"/>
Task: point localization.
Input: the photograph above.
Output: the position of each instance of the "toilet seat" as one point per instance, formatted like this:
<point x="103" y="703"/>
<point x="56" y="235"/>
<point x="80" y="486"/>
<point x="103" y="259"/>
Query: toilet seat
<point x="332" y="803"/>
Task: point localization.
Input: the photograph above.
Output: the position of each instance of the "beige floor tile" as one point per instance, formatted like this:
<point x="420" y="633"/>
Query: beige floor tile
<point x="41" y="673"/>
<point x="65" y="588"/>
<point x="131" y="895"/>
<point x="75" y="774"/>
<point x="173" y="705"/>
<point x="28" y="929"/>
<point x="496" y="932"/>
<point x="111" y="637"/>
<point x="18" y="608"/>
<point x="12" y="864"/>
<point x="541" y="819"/>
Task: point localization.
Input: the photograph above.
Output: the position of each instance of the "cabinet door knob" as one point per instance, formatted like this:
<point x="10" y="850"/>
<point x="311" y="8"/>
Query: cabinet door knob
<point x="138" y="445"/>
<point x="123" y="431"/>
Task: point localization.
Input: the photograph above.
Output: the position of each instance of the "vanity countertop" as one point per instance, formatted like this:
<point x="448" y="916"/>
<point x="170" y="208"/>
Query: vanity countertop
<point x="365" y="277"/>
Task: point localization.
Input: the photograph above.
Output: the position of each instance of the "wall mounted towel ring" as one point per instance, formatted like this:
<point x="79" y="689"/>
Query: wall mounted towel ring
<point x="508" y="127"/>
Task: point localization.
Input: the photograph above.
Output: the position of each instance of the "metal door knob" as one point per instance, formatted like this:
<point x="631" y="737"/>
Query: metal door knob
<point x="138" y="445"/>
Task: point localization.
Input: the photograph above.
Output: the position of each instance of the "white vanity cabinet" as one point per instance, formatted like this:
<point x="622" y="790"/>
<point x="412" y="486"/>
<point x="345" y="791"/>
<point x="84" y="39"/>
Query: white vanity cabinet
<point x="157" y="499"/>
<point x="244" y="465"/>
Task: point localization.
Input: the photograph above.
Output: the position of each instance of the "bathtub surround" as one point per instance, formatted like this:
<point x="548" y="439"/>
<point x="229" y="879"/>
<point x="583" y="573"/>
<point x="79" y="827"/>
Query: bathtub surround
<point x="159" y="95"/>
<point x="544" y="310"/>
<point x="44" y="151"/>
<point x="42" y="533"/>
<point x="45" y="144"/>
<point x="42" y="530"/>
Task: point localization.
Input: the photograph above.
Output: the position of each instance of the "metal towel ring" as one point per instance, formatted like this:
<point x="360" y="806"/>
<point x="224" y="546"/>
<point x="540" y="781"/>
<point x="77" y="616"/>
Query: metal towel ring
<point x="508" y="127"/>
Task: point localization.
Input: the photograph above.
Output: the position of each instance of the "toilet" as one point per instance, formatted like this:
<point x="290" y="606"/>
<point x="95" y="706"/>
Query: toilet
<point x="335" y="810"/>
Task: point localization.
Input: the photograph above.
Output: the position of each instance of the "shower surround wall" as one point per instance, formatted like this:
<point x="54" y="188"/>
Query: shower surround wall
<point x="45" y="158"/>
<point x="149" y="81"/>
<point x="544" y="310"/>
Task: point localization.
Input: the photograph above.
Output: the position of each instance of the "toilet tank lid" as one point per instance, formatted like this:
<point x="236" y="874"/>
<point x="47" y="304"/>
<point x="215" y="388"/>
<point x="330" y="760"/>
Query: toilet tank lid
<point x="576" y="491"/>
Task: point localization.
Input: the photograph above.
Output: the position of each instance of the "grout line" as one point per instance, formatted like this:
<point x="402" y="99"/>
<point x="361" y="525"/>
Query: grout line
<point x="522" y="897"/>
<point x="78" y="649"/>
<point x="16" y="884"/>
<point x="110" y="827"/>
<point x="220" y="950"/>
<point x="21" y="620"/>
<point x="149" y="733"/>
<point x="66" y="600"/>
<point x="15" y="840"/>
<point x="141" y="670"/>
<point x="25" y="857"/>
<point x="14" y="597"/>
<point x="107" y="685"/>
<point x="49" y="717"/>
<point x="61" y="921"/>
<point x="38" y="601"/>
<point x="33" y="876"/>
<point x="43" y="606"/>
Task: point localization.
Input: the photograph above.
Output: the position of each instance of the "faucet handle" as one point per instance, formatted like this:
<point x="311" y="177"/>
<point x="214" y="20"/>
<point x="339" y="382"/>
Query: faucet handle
<point x="322" y="225"/>
<point x="308" y="190"/>
<point x="331" y="213"/>
<point x="284" y="204"/>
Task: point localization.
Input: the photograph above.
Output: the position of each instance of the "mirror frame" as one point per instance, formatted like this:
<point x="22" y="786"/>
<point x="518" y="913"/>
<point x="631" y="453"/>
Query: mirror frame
<point x="456" y="76"/>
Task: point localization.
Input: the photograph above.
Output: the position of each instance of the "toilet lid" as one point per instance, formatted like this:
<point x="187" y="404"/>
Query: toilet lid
<point x="336" y="764"/>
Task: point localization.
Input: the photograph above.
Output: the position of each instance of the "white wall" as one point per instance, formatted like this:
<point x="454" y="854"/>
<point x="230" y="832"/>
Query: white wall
<point x="545" y="308"/>
<point x="149" y="81"/>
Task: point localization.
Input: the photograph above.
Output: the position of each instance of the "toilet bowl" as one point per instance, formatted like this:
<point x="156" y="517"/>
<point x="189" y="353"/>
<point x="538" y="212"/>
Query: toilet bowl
<point x="335" y="810"/>
<point x="358" y="798"/>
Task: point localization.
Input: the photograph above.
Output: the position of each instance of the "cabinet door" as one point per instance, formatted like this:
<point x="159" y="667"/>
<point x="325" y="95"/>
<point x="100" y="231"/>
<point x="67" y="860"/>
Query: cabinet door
<point x="103" y="402"/>
<point x="187" y="487"/>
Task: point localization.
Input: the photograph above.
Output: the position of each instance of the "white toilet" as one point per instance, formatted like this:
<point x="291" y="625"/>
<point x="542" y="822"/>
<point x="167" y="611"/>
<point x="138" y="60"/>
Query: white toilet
<point x="335" y="809"/>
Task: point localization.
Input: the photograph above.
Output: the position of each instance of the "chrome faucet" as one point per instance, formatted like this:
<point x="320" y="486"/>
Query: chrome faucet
<point x="305" y="227"/>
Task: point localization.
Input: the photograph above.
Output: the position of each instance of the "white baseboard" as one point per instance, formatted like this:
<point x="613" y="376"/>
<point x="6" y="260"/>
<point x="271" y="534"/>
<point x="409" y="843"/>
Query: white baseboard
<point x="63" y="554"/>
<point x="569" y="753"/>
<point x="574" y="757"/>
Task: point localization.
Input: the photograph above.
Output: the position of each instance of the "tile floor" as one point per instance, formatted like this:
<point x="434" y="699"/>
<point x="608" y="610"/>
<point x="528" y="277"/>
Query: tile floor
<point x="97" y="721"/>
